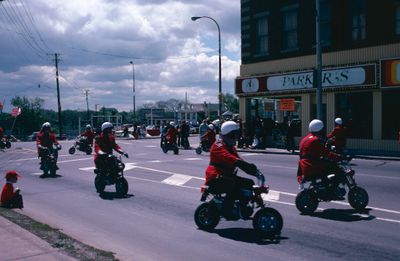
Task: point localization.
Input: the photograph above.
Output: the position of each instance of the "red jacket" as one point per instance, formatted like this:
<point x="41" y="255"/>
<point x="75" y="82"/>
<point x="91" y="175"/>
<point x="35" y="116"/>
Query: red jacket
<point x="210" y="136"/>
<point x="106" y="144"/>
<point x="312" y="148"/>
<point x="340" y="134"/>
<point x="89" y="135"/>
<point x="1" y="132"/>
<point x="222" y="161"/>
<point x="7" y="193"/>
<point x="171" y="135"/>
<point x="46" y="140"/>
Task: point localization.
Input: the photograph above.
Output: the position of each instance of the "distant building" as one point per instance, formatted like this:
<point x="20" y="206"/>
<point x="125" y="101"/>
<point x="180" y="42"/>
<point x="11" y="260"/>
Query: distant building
<point x="361" y="66"/>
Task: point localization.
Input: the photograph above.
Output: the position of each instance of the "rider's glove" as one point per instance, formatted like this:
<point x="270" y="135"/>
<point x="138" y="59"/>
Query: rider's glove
<point x="299" y="179"/>
<point x="125" y="154"/>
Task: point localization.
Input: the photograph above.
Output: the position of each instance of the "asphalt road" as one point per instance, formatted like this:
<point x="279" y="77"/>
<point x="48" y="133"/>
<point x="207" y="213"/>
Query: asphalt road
<point x="156" y="221"/>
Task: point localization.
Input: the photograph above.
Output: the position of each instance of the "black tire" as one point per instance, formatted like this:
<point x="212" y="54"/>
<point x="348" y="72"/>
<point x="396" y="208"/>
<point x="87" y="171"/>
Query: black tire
<point x="176" y="150"/>
<point x="164" y="148"/>
<point x="198" y="150"/>
<point x="99" y="184"/>
<point x="8" y="144"/>
<point x="306" y="202"/>
<point x="267" y="222"/>
<point x="89" y="151"/>
<point x="53" y="172"/>
<point x="121" y="187"/>
<point x="206" y="216"/>
<point x="358" y="198"/>
<point x="71" y="150"/>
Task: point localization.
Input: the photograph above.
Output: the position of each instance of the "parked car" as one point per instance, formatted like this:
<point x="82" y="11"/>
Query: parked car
<point x="153" y="130"/>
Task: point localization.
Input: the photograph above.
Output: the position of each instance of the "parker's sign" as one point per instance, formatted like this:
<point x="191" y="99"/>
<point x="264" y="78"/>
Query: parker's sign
<point x="341" y="77"/>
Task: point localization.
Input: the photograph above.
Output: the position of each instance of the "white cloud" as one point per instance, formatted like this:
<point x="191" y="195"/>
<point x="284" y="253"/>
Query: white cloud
<point x="172" y="54"/>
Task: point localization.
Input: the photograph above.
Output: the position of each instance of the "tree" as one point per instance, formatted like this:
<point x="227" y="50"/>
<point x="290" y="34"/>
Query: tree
<point x="231" y="102"/>
<point x="31" y="116"/>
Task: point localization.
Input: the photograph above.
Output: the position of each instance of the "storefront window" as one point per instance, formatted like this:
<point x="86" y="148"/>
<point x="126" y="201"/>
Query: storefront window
<point x="390" y="120"/>
<point x="356" y="111"/>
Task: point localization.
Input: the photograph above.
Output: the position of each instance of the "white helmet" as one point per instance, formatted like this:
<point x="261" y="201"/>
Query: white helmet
<point x="46" y="125"/>
<point x="211" y="127"/>
<point x="339" y="121"/>
<point x="172" y="123"/>
<point x="106" y="125"/>
<point x="88" y="126"/>
<point x="228" y="127"/>
<point x="315" y="126"/>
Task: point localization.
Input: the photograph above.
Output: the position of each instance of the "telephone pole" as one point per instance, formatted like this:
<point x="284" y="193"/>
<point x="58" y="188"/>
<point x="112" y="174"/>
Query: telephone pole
<point x="87" y="103"/>
<point x="56" y="59"/>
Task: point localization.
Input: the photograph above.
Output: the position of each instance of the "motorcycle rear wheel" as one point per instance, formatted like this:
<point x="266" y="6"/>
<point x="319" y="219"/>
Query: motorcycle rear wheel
<point x="89" y="151"/>
<point x="358" y="198"/>
<point x="71" y="150"/>
<point x="267" y="222"/>
<point x="198" y="150"/>
<point x="8" y="144"/>
<point x="306" y="202"/>
<point x="206" y="216"/>
<point x="176" y="150"/>
<point x="121" y="187"/>
<point x="99" y="184"/>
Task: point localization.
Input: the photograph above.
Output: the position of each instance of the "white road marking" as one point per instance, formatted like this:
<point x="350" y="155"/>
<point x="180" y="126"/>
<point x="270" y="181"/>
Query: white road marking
<point x="73" y="160"/>
<point x="191" y="159"/>
<point x="389" y="220"/>
<point x="155" y="161"/>
<point x="177" y="179"/>
<point x="150" y="146"/>
<point x="250" y="154"/>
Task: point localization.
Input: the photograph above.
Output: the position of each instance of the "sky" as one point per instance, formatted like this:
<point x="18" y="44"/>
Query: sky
<point x="97" y="39"/>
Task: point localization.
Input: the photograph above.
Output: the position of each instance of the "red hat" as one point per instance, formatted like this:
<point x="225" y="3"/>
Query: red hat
<point x="12" y="173"/>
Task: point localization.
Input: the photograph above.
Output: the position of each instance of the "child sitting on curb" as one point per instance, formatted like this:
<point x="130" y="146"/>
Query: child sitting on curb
<point x="9" y="197"/>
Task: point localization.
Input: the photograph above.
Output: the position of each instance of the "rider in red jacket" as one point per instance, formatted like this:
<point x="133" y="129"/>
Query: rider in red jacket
<point x="172" y="133"/>
<point x="209" y="136"/>
<point x="313" y="152"/>
<point x="339" y="135"/>
<point x="45" y="140"/>
<point x="105" y="144"/>
<point x="220" y="173"/>
<point x="89" y="134"/>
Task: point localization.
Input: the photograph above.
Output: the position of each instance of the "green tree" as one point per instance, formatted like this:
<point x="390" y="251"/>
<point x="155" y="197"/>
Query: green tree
<point x="31" y="116"/>
<point x="231" y="102"/>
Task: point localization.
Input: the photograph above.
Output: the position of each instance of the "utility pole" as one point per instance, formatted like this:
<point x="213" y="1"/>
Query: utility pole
<point x="318" y="69"/>
<point x="87" y="103"/>
<point x="133" y="91"/>
<point x="56" y="59"/>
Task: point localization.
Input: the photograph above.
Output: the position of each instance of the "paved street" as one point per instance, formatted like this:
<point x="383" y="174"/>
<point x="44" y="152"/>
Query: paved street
<point x="156" y="221"/>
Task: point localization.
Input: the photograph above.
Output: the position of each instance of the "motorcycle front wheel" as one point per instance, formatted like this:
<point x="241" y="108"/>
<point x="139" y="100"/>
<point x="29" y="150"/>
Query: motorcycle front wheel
<point x="8" y="144"/>
<point x="306" y="202"/>
<point x="206" y="216"/>
<point x="121" y="187"/>
<point x="71" y="150"/>
<point x="358" y="198"/>
<point x="99" y="184"/>
<point x="267" y="222"/>
<point x="164" y="148"/>
<point x="176" y="150"/>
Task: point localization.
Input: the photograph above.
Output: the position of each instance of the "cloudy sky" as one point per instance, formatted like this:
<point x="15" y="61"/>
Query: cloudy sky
<point x="97" y="39"/>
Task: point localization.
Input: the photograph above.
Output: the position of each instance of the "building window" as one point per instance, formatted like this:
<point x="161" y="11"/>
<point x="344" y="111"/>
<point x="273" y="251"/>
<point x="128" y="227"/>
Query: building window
<point x="356" y="111"/>
<point x="262" y="35"/>
<point x="358" y="22"/>
<point x="290" y="39"/>
<point x="397" y="19"/>
<point x="390" y="105"/>
<point x="326" y="22"/>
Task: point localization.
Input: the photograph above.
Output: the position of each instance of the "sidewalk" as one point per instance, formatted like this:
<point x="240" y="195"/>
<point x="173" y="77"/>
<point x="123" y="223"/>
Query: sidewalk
<point x="18" y="243"/>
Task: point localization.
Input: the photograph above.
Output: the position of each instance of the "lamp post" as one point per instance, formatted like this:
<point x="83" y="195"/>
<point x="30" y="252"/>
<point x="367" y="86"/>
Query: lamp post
<point x="133" y="90"/>
<point x="194" y="18"/>
<point x="318" y="69"/>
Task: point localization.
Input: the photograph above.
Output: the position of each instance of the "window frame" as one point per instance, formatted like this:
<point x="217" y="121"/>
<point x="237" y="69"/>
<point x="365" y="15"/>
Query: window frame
<point x="263" y="35"/>
<point x="289" y="32"/>
<point x="358" y="20"/>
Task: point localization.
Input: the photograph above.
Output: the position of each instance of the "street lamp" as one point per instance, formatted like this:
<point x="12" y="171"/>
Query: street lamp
<point x="194" y="18"/>
<point x="133" y="90"/>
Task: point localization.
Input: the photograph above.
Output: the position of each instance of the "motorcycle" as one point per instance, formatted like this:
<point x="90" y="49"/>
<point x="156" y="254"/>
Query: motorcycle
<point x="111" y="172"/>
<point x="267" y="222"/>
<point x="167" y="144"/>
<point x="203" y="146"/>
<point x="5" y="143"/>
<point x="49" y="160"/>
<point x="315" y="190"/>
<point x="81" y="143"/>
